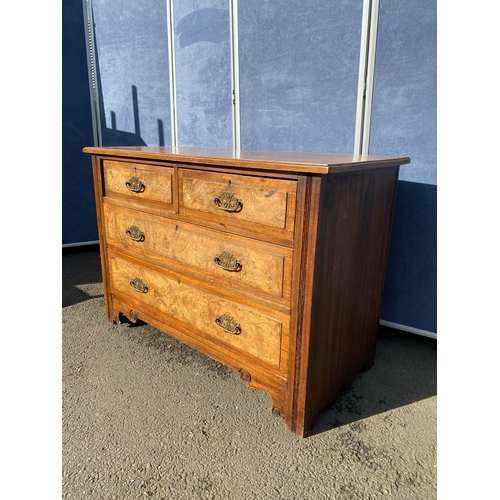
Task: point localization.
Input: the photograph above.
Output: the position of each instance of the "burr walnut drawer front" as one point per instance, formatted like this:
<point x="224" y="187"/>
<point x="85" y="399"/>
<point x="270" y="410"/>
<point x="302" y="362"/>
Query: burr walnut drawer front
<point x="138" y="182"/>
<point x="219" y="319"/>
<point x="233" y="261"/>
<point x="238" y="199"/>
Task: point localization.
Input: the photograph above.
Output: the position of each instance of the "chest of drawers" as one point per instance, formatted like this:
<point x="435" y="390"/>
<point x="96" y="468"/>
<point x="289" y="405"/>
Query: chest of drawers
<point x="271" y="263"/>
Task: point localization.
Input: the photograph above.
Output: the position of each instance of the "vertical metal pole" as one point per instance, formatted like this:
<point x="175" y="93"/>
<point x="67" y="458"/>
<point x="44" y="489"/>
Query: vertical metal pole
<point x="363" y="58"/>
<point x="369" y="27"/>
<point x="171" y="72"/>
<point x="370" y="74"/>
<point x="92" y="72"/>
<point x="235" y="73"/>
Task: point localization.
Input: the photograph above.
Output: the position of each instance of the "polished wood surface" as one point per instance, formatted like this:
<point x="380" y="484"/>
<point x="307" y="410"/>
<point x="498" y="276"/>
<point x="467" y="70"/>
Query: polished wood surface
<point x="258" y="335"/>
<point x="349" y="262"/>
<point x="262" y="201"/>
<point x="312" y="163"/>
<point x="263" y="268"/>
<point x="283" y="284"/>
<point x="156" y="182"/>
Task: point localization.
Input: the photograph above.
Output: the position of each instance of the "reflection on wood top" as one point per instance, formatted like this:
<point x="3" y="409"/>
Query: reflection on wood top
<point x="303" y="162"/>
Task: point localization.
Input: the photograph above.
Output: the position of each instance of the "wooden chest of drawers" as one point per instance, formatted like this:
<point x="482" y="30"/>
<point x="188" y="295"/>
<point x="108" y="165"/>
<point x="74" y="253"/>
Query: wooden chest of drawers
<point x="271" y="263"/>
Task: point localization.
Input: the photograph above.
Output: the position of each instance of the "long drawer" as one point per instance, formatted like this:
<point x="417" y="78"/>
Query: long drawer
<point x="233" y="261"/>
<point x="245" y="328"/>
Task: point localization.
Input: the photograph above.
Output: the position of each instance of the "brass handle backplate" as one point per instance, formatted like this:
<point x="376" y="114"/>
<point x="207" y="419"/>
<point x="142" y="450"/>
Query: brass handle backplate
<point x="138" y="285"/>
<point x="228" y="201"/>
<point x="228" y="262"/>
<point x="228" y="324"/>
<point x="135" y="184"/>
<point x="134" y="233"/>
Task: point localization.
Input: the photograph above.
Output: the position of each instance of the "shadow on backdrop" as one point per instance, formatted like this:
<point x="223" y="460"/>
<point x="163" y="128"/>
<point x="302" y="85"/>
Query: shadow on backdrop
<point x="111" y="136"/>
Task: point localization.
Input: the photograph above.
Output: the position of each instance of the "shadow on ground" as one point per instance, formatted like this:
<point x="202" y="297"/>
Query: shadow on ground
<point x="405" y="371"/>
<point x="81" y="267"/>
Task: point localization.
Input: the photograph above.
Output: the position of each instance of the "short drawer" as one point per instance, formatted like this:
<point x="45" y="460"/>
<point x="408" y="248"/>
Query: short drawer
<point x="222" y="320"/>
<point x="138" y="182"/>
<point x="250" y="265"/>
<point x="238" y="199"/>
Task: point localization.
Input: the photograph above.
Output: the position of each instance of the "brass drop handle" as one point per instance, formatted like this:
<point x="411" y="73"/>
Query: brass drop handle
<point x="228" y="324"/>
<point x="228" y="262"/>
<point x="134" y="233"/>
<point x="228" y="201"/>
<point x="135" y="184"/>
<point x="139" y="285"/>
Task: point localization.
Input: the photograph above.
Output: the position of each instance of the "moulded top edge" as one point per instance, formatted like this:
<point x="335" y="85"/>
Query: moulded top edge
<point x="303" y="162"/>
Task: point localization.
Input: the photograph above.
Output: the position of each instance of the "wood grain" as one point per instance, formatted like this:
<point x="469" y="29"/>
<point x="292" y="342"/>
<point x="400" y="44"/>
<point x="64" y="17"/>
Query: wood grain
<point x="260" y="334"/>
<point x="157" y="181"/>
<point x="265" y="268"/>
<point x="311" y="237"/>
<point x="268" y="202"/>
<point x="350" y="254"/>
<point x="297" y="162"/>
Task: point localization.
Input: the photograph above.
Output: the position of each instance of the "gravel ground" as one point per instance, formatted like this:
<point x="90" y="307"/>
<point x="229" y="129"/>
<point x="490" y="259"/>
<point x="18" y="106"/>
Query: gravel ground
<point x="145" y="416"/>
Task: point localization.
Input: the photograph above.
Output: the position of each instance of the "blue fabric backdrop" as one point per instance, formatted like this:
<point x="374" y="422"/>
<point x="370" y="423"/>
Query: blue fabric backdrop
<point x="299" y="64"/>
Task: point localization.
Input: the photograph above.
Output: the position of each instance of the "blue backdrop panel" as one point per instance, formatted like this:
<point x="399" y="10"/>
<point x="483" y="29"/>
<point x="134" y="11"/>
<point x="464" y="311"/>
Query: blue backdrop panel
<point x="78" y="204"/>
<point x="404" y="123"/>
<point x="132" y="54"/>
<point x="404" y="97"/>
<point x="410" y="292"/>
<point x="299" y="64"/>
<point x="203" y="73"/>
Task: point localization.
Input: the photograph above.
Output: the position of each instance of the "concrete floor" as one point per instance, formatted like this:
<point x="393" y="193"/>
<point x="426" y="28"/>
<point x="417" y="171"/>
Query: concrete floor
<point x="146" y="416"/>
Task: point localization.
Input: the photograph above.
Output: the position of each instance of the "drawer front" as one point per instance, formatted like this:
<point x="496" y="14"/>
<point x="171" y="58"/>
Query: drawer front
<point x="234" y="261"/>
<point x="223" y="320"/>
<point x="238" y="198"/>
<point x="138" y="182"/>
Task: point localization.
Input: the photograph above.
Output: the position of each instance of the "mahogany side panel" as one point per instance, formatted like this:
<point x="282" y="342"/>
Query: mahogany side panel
<point x="351" y="250"/>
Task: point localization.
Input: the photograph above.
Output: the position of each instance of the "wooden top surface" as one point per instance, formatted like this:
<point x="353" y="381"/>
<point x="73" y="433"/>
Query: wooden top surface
<point x="317" y="163"/>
